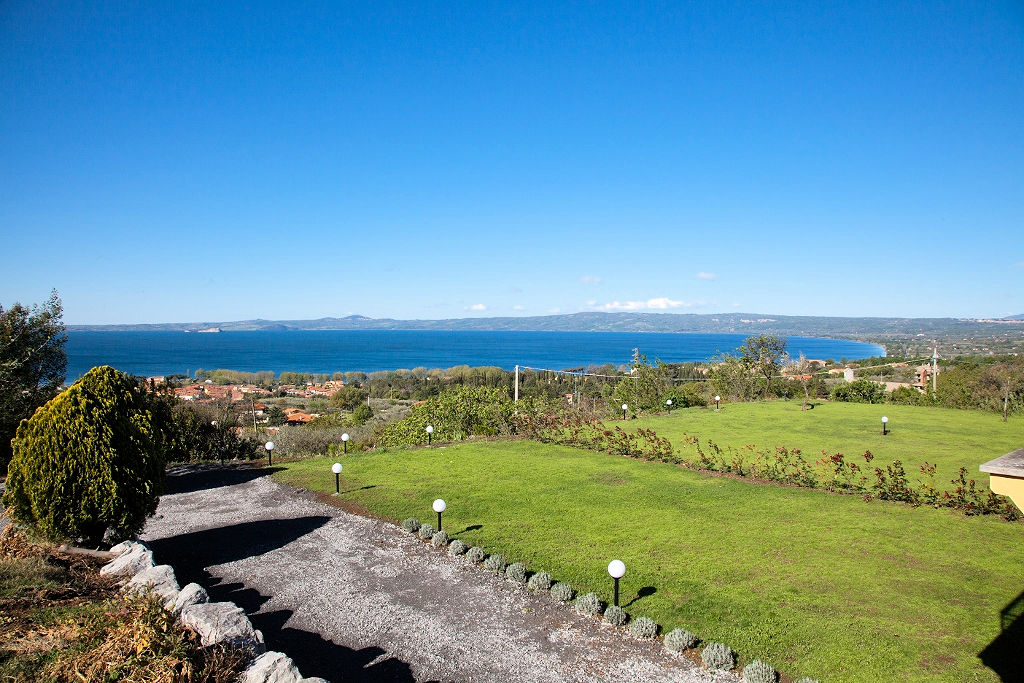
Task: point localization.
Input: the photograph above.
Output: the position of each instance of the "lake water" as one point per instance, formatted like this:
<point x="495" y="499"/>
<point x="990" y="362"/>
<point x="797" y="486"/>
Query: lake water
<point x="163" y="353"/>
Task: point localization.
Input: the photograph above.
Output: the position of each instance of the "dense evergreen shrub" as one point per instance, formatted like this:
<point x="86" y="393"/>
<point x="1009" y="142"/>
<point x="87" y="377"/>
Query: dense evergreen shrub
<point x="440" y="539"/>
<point x="476" y="554"/>
<point x="615" y="615"/>
<point x="718" y="656"/>
<point x="680" y="639"/>
<point x="541" y="581"/>
<point x="589" y="604"/>
<point x="412" y="525"/>
<point x="643" y="627"/>
<point x="495" y="563"/>
<point x="427" y="532"/>
<point x="87" y="461"/>
<point x="758" y="672"/>
<point x="562" y="592"/>
<point x="457" y="547"/>
<point x="516" y="572"/>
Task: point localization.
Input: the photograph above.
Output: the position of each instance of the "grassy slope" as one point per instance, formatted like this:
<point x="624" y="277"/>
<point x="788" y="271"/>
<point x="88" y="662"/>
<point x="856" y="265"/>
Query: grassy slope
<point x="816" y="583"/>
<point x="948" y="438"/>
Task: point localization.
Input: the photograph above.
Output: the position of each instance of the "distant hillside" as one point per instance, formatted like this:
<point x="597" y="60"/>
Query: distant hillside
<point x="742" y="323"/>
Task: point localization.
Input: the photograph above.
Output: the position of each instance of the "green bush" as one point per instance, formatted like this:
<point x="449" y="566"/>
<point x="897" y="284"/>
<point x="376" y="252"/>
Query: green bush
<point x="455" y="414"/>
<point x="516" y="572"/>
<point x="589" y="604"/>
<point x="615" y="615"/>
<point x="562" y="592"/>
<point x="362" y="413"/>
<point x="859" y="391"/>
<point x="758" y="672"/>
<point x="680" y="639"/>
<point x="88" y="461"/>
<point x="718" y="656"/>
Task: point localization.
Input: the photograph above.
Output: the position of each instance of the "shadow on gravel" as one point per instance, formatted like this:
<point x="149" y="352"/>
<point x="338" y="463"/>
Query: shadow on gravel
<point x="314" y="655"/>
<point x="189" y="478"/>
<point x="191" y="553"/>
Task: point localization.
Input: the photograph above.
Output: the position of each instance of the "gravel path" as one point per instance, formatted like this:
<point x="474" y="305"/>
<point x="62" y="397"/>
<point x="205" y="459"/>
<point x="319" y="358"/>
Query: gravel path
<point x="351" y="598"/>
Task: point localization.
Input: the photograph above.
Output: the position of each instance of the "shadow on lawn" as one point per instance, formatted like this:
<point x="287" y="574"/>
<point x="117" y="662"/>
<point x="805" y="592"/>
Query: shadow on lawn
<point x="641" y="594"/>
<point x="1003" y="655"/>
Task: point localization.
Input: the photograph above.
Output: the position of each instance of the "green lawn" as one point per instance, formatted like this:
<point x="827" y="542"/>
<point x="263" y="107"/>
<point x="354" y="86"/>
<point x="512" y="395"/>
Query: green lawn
<point x="817" y="584"/>
<point x="940" y="436"/>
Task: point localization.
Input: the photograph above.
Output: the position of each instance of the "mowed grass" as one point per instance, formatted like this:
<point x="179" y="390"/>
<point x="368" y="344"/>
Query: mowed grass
<point x="948" y="438"/>
<point x="815" y="583"/>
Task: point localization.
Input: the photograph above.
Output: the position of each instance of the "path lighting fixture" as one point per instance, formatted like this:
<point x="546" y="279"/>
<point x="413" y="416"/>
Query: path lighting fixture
<point x="617" y="569"/>
<point x="717" y="399"/>
<point x="270" y="452"/>
<point x="668" y="403"/>
<point x="430" y="430"/>
<point x="439" y="506"/>
<point x="625" y="407"/>
<point x="344" y="440"/>
<point x="336" y="468"/>
<point x="885" y="425"/>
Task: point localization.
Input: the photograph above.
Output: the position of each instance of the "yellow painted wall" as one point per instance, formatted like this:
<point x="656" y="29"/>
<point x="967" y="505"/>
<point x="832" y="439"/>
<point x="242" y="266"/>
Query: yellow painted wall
<point x="1008" y="486"/>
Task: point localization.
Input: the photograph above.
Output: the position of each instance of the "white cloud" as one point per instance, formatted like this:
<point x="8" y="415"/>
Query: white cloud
<point x="476" y="307"/>
<point x="735" y="304"/>
<point x="590" y="280"/>
<point x="657" y="303"/>
<point x="517" y="307"/>
<point x="706" y="276"/>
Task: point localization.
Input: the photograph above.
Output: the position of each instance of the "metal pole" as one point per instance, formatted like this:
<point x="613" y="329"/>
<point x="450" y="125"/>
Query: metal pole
<point x="438" y="521"/>
<point x="616" y="592"/>
<point x="345" y="443"/>
<point x="337" y="483"/>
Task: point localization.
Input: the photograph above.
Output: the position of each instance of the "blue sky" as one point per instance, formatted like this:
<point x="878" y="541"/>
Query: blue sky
<point x="187" y="161"/>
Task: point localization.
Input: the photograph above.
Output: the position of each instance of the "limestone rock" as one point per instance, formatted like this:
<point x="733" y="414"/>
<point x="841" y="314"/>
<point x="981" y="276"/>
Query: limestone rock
<point x="192" y="594"/>
<point x="126" y="546"/>
<point x="272" y="667"/>
<point x="134" y="561"/>
<point x="161" y="578"/>
<point x="223" y="622"/>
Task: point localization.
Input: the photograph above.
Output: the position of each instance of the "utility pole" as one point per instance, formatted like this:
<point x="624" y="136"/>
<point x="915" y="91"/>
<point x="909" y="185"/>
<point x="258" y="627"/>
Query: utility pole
<point x="516" y="399"/>
<point x="935" y="365"/>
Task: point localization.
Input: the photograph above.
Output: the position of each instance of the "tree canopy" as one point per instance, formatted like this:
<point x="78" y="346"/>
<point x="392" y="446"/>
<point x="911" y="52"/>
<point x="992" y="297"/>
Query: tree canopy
<point x="32" y="364"/>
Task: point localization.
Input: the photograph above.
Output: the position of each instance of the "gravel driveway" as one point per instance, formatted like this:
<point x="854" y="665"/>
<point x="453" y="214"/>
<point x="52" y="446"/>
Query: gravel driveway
<point x="351" y="598"/>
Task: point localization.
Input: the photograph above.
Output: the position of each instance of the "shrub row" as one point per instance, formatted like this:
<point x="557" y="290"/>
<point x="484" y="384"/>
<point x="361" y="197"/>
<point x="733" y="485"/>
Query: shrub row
<point x="713" y="655"/>
<point x="832" y="472"/>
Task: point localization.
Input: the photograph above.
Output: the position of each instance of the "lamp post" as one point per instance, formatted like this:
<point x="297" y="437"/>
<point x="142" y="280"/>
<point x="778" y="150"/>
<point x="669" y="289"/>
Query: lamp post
<point x="617" y="569"/>
<point x="885" y="425"/>
<point x="344" y="440"/>
<point x="439" y="507"/>
<point x="270" y="452"/>
<point x="430" y="431"/>
<point x="668" y="404"/>
<point x="717" y="399"/>
<point x="336" y="468"/>
<point x="625" y="407"/>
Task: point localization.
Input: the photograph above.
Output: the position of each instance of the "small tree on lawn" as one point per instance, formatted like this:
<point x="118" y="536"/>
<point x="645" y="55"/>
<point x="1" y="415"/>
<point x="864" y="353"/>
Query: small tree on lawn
<point x="87" y="461"/>
<point x="763" y="354"/>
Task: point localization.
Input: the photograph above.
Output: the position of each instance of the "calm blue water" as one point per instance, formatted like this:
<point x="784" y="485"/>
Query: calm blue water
<point x="162" y="353"/>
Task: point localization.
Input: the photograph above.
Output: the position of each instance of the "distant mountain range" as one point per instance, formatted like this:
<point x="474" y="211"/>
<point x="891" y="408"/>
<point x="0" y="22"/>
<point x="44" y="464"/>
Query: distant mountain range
<point x="753" y="323"/>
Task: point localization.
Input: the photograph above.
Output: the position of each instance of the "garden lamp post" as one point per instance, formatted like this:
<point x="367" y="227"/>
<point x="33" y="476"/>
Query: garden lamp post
<point x="668" y="404"/>
<point x="625" y="407"/>
<point x="344" y="440"/>
<point x="717" y="399"/>
<point x="885" y="425"/>
<point x="439" y="507"/>
<point x="270" y="452"/>
<point x="617" y="569"/>
<point x="430" y="431"/>
<point x="336" y="468"/>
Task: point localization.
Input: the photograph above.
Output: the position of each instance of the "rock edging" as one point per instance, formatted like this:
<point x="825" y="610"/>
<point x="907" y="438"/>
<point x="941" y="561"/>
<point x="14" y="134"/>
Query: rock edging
<point x="215" y="622"/>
